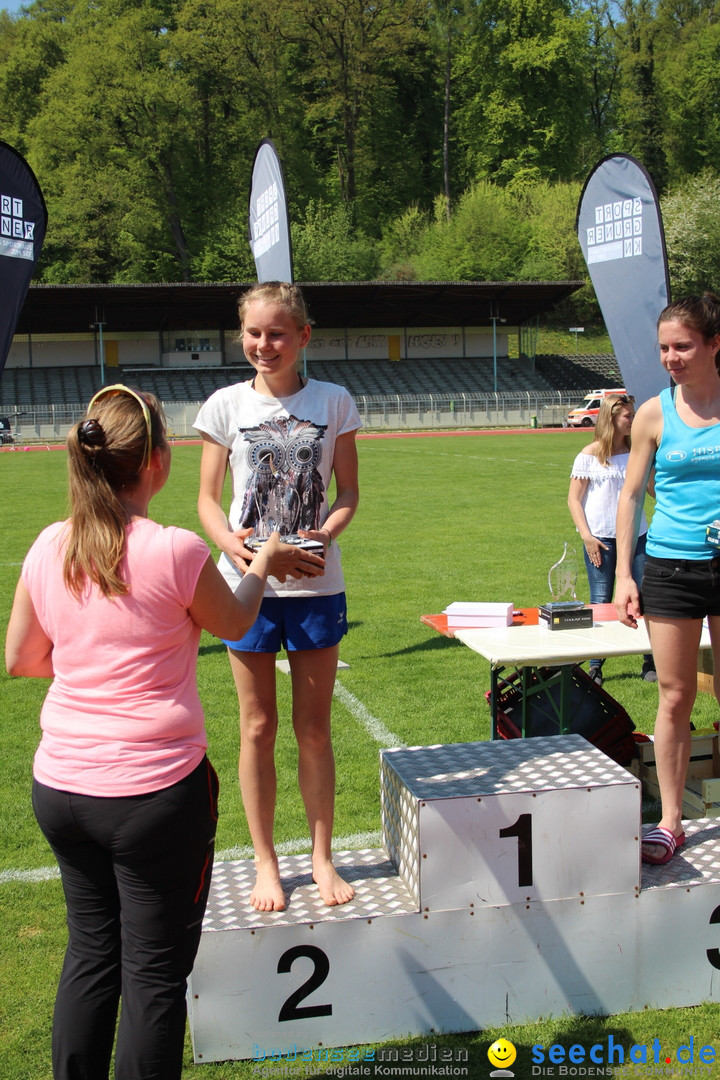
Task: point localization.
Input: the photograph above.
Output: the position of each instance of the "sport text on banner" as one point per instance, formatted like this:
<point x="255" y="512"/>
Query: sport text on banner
<point x="268" y="221"/>
<point x="23" y="222"/>
<point x="621" y="235"/>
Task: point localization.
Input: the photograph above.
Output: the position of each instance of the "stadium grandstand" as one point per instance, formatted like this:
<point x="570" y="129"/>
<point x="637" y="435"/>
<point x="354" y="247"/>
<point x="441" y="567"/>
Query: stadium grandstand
<point x="411" y="354"/>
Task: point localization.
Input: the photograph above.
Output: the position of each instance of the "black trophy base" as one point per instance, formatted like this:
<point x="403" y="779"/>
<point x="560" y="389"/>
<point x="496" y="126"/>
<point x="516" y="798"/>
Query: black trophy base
<point x="572" y="615"/>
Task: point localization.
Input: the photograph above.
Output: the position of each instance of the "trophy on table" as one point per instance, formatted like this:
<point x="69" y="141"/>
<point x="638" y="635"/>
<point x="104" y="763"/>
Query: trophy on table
<point x="564" y="611"/>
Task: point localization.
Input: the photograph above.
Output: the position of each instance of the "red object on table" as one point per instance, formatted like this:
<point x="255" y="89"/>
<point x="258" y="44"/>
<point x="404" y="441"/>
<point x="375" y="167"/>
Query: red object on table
<point x="521" y="617"/>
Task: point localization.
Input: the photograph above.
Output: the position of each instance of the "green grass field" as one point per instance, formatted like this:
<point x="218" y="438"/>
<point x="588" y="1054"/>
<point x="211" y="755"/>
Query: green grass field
<point x="442" y="518"/>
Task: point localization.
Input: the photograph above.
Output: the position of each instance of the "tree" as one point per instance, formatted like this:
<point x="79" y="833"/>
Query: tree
<point x="525" y="90"/>
<point x="350" y="52"/>
<point x="449" y="20"/>
<point x="32" y="46"/>
<point x="689" y="92"/>
<point x="401" y="242"/>
<point x="483" y="241"/>
<point x="640" y="119"/>
<point x="326" y="247"/>
<point x="114" y="141"/>
<point x="603" y="78"/>
<point x="691" y="219"/>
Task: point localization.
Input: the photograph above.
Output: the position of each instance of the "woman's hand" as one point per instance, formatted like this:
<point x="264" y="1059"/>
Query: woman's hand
<point x="321" y="536"/>
<point x="627" y="601"/>
<point x="289" y="560"/>
<point x="595" y="548"/>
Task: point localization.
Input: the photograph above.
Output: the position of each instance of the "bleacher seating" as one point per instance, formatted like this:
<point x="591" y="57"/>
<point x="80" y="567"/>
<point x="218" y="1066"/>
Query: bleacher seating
<point x="32" y="387"/>
<point x="579" y="372"/>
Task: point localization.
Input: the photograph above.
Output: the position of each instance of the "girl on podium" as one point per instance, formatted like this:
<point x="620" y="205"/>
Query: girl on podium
<point x="284" y="438"/>
<point x="677" y="433"/>
<point x="110" y="606"/>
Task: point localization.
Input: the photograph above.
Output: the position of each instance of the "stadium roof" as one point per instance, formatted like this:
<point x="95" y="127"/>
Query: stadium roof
<point x="54" y="309"/>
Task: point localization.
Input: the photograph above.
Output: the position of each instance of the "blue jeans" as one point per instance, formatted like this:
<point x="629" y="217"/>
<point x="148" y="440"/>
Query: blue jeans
<point x="602" y="578"/>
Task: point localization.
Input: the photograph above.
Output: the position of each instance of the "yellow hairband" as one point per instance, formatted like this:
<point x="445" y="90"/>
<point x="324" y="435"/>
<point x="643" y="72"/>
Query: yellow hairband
<point x="120" y="388"/>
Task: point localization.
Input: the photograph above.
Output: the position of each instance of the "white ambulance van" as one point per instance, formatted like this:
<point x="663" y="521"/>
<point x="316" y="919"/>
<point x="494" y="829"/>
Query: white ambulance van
<point x="585" y="415"/>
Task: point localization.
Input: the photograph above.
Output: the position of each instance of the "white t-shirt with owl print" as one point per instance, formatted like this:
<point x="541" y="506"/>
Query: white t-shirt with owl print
<point x="281" y="457"/>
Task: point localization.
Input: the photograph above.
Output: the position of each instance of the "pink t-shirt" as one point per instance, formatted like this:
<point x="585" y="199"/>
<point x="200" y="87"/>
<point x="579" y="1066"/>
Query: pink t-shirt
<point x="122" y="715"/>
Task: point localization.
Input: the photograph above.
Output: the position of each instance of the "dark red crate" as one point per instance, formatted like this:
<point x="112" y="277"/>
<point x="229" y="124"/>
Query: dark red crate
<point x="594" y="713"/>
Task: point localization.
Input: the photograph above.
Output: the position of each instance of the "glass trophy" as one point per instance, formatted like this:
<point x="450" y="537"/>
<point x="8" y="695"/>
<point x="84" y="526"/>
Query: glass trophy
<point x="562" y="582"/>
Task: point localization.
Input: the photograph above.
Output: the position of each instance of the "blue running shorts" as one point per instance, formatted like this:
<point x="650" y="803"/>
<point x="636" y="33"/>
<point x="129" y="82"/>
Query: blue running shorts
<point x="295" y="623"/>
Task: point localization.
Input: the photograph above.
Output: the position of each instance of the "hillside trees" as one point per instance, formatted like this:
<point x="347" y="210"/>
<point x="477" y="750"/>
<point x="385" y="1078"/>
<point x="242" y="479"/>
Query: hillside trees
<point x="526" y="102"/>
<point x="640" y="103"/>
<point x="113" y="143"/>
<point x="419" y="138"/>
<point x="689" y="90"/>
<point x="30" y="50"/>
<point x="369" y="98"/>
<point x="691" y="217"/>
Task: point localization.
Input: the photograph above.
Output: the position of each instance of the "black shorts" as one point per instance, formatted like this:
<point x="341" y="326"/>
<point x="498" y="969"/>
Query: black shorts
<point x="681" y="588"/>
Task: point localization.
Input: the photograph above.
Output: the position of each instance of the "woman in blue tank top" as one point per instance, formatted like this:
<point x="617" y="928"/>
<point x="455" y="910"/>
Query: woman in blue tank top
<point x="677" y="433"/>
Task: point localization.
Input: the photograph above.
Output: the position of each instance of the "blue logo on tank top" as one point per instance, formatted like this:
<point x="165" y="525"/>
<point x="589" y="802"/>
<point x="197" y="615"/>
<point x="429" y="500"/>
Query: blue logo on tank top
<point x="676" y="455"/>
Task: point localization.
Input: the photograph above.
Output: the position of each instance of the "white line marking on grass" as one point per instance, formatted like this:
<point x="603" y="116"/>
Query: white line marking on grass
<point x="43" y="873"/>
<point x="357" y="842"/>
<point x="360" y="841"/>
<point x="372" y="725"/>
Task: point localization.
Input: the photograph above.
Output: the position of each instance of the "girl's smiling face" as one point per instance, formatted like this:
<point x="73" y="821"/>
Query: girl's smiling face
<point x="684" y="352"/>
<point x="272" y="341"/>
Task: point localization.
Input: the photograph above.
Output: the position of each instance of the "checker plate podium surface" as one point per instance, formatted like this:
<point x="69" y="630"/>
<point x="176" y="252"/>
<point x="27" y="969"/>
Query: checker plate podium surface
<point x="378" y="891"/>
<point x="457" y="819"/>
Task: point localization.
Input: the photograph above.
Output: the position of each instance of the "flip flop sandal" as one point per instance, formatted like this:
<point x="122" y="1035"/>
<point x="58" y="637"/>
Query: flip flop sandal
<point x="665" y="839"/>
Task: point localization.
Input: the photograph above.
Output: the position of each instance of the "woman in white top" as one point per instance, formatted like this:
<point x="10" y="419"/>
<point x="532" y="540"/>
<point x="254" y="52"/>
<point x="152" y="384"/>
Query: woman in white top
<point x="597" y="477"/>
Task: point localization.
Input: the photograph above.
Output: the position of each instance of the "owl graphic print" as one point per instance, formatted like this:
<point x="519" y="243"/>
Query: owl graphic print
<point x="284" y="490"/>
<point x="281" y="459"/>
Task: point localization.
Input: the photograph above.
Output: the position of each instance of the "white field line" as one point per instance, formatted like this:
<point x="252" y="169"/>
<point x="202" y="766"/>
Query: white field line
<point x="374" y="727"/>
<point x="43" y="873"/>
<point x="357" y="841"/>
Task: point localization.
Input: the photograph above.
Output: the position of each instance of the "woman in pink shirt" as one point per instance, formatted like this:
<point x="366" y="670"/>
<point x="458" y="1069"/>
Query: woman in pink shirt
<point x="110" y="605"/>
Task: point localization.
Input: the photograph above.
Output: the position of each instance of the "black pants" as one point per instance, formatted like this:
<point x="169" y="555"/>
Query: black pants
<point x="136" y="874"/>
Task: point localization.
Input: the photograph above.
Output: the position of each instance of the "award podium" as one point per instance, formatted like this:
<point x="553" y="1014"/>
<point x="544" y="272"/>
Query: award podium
<point x="509" y="888"/>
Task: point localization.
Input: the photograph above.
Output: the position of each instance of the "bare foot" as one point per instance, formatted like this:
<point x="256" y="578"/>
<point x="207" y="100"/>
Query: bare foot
<point x="268" y="893"/>
<point x="332" y="888"/>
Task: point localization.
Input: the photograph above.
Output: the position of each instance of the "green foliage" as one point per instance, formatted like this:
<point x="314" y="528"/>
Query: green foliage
<point x="327" y="247"/>
<point x="494" y="234"/>
<point x="691" y="218"/>
<point x="689" y="87"/>
<point x="405" y="129"/>
<point x="483" y="240"/>
<point x="401" y="242"/>
<point x="553" y="252"/>
<point x="640" y="101"/>
<point x="513" y="121"/>
<point x="226" y="254"/>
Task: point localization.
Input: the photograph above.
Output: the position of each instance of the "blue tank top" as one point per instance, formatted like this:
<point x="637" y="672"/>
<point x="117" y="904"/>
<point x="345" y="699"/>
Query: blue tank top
<point x="687" y="487"/>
